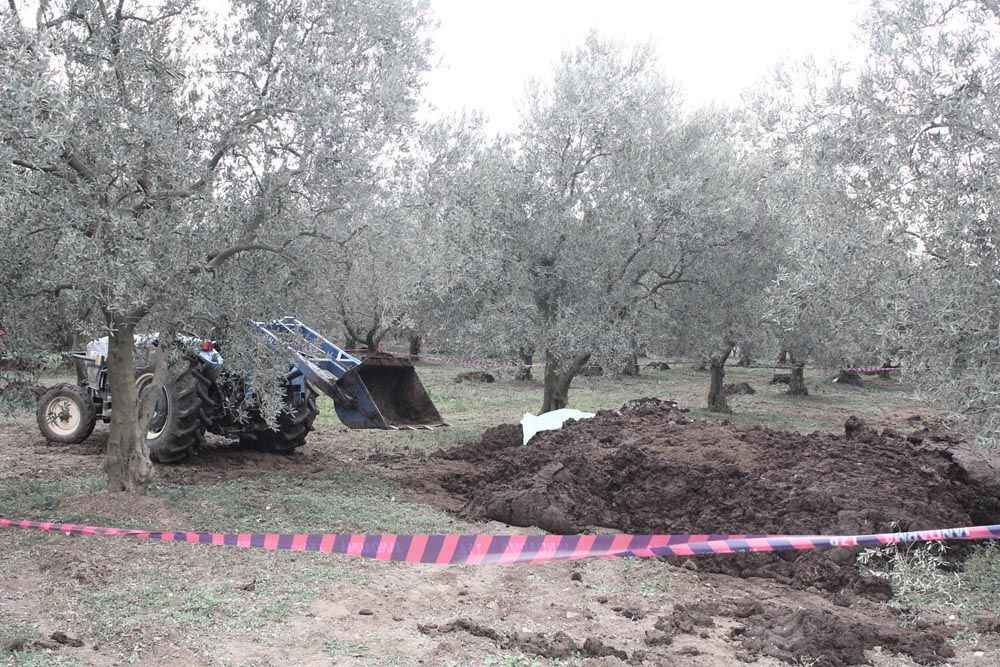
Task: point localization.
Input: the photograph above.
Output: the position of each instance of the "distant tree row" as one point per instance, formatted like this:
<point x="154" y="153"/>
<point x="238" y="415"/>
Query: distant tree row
<point x="841" y="217"/>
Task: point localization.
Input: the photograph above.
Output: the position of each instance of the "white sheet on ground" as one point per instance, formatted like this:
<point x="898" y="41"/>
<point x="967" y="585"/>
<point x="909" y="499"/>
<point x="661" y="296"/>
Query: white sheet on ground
<point x="549" y="421"/>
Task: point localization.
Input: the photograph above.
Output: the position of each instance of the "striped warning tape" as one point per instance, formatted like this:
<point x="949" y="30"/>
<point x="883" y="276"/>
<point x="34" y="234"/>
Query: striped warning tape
<point x="874" y="369"/>
<point x="495" y="363"/>
<point x="462" y="361"/>
<point x="502" y="549"/>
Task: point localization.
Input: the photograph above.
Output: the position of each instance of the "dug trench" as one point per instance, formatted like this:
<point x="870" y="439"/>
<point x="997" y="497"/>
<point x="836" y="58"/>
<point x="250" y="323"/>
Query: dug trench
<point x="648" y="469"/>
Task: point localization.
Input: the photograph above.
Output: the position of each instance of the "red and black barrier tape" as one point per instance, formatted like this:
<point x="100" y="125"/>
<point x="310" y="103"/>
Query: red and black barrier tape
<point x="496" y="363"/>
<point x="501" y="549"/>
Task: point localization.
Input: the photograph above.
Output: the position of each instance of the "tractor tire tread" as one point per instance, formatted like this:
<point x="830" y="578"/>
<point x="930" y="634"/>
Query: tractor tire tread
<point x="293" y="428"/>
<point x="186" y="427"/>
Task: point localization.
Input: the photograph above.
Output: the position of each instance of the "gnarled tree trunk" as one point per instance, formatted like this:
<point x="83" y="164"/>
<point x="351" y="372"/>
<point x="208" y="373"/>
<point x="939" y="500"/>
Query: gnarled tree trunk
<point x="558" y="377"/>
<point x="797" y="385"/>
<point x="373" y="340"/>
<point x="79" y="365"/>
<point x="716" y="397"/>
<point x="350" y="342"/>
<point x="524" y="356"/>
<point x="632" y="366"/>
<point x="416" y="342"/>
<point x="126" y="460"/>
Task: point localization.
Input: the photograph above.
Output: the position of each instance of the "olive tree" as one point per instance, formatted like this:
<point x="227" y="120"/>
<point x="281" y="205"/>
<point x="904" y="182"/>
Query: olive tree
<point x="537" y="267"/>
<point x="896" y="184"/>
<point x="167" y="158"/>
<point x="563" y="237"/>
<point x="724" y="305"/>
<point x="928" y="97"/>
<point x="837" y="286"/>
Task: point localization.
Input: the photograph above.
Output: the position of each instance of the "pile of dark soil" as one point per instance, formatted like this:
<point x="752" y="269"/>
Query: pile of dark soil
<point x="737" y="389"/>
<point x="557" y="645"/>
<point x="664" y="410"/>
<point x="474" y="376"/>
<point x="20" y="392"/>
<point x="801" y="634"/>
<point x="849" y="377"/>
<point x="646" y="470"/>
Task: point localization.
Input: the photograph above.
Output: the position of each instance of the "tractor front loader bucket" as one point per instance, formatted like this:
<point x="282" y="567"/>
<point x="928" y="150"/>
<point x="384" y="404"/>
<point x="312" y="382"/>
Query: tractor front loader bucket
<point x="385" y="392"/>
<point x="380" y="392"/>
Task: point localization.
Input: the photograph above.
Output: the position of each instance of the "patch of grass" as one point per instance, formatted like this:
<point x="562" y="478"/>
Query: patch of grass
<point x="923" y="581"/>
<point x="23" y="498"/>
<point x="38" y="659"/>
<point x="510" y="660"/>
<point x="917" y="572"/>
<point x="13" y="634"/>
<point x="649" y="577"/>
<point x="335" y="500"/>
<point x="980" y="579"/>
<point x="336" y="648"/>
<point x="159" y="591"/>
<point x="16" y="651"/>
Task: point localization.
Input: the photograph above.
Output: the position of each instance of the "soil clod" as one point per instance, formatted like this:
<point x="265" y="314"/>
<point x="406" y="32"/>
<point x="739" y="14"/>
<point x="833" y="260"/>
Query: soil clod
<point x="66" y="640"/>
<point x="475" y="376"/>
<point x="556" y="646"/>
<point x="850" y="378"/>
<point x="738" y="388"/>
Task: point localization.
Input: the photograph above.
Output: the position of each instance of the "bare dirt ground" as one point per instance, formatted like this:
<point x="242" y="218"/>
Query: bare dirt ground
<point x="146" y="603"/>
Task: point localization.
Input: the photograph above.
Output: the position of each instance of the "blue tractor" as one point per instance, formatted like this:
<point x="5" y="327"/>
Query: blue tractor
<point x="199" y="396"/>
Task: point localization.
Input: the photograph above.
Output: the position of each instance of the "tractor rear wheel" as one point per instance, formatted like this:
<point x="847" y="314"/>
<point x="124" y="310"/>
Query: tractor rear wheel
<point x="177" y="426"/>
<point x="66" y="414"/>
<point x="294" y="424"/>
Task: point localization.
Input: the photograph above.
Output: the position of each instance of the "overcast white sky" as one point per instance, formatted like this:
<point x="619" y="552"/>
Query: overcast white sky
<point x="487" y="49"/>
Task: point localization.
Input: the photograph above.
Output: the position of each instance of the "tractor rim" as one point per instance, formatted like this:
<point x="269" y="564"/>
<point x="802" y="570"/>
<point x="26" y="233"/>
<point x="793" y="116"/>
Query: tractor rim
<point x="63" y="415"/>
<point x="158" y="422"/>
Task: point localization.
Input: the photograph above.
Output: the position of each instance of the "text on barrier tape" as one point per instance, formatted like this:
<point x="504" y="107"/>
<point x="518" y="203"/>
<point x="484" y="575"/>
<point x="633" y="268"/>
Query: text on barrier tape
<point x="499" y="549"/>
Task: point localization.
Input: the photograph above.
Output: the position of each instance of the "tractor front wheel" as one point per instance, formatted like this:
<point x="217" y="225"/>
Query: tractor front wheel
<point x="294" y="424"/>
<point x="66" y="414"/>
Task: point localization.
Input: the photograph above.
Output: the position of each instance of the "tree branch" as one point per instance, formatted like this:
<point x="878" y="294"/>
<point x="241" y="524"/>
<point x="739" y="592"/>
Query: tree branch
<point x="225" y="143"/>
<point x="54" y="290"/>
<point x="77" y="165"/>
<point x="347" y="325"/>
<point x="215" y="261"/>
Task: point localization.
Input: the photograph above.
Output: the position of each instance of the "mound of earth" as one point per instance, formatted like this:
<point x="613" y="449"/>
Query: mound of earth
<point x="504" y="436"/>
<point x="738" y="388"/>
<point x="849" y="377"/>
<point x="474" y="376"/>
<point x="666" y="410"/>
<point x="647" y="470"/>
